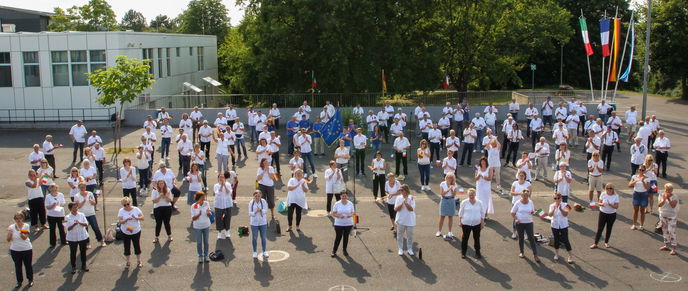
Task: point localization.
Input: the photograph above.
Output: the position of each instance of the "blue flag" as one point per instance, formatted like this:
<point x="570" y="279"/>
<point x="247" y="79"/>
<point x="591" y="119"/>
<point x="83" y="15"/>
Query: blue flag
<point x="332" y="129"/>
<point x="625" y="75"/>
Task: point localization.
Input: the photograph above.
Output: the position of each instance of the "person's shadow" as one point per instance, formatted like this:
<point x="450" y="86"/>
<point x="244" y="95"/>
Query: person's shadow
<point x="490" y="273"/>
<point x="353" y="269"/>
<point x="72" y="282"/>
<point x="202" y="280"/>
<point x="126" y="280"/>
<point x="302" y="242"/>
<point x="160" y="254"/>
<point x="227" y="248"/>
<point x="420" y="270"/>
<point x="262" y="272"/>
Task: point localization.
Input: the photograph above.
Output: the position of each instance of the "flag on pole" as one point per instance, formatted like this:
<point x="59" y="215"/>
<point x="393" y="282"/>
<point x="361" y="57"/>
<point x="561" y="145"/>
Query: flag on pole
<point x="627" y="72"/>
<point x="586" y="39"/>
<point x="446" y="81"/>
<point x="332" y="129"/>
<point x="615" y="48"/>
<point x="604" y="35"/>
<point x="314" y="82"/>
<point x="384" y="81"/>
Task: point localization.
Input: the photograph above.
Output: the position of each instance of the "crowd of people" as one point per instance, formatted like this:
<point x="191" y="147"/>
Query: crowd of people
<point x="554" y="131"/>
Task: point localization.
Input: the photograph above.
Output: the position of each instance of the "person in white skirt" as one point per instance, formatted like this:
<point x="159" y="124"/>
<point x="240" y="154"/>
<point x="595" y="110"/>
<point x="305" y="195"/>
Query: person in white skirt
<point x="483" y="185"/>
<point x="493" y="149"/>
<point x="296" y="198"/>
<point x="392" y="191"/>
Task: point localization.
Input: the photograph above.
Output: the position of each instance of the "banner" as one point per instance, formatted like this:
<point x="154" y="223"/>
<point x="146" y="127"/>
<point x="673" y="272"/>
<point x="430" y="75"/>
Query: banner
<point x="615" y="49"/>
<point x="332" y="129"/>
<point x="604" y="35"/>
<point x="627" y="72"/>
<point x="586" y="38"/>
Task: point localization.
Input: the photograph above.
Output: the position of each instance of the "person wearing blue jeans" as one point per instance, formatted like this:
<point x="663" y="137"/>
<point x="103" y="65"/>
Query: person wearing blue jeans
<point x="257" y="212"/>
<point x="200" y="219"/>
<point x="292" y="128"/>
<point x="304" y="142"/>
<point x="165" y="147"/>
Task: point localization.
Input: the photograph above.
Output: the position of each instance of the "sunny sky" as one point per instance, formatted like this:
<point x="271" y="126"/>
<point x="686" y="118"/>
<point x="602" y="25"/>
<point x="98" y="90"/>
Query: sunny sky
<point x="149" y="8"/>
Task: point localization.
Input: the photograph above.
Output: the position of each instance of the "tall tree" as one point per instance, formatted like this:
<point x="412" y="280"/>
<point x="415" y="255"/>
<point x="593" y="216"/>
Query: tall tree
<point x="64" y="20"/>
<point x="668" y="42"/>
<point x="133" y="20"/>
<point x="162" y="23"/>
<point x="97" y="15"/>
<point x="207" y="17"/>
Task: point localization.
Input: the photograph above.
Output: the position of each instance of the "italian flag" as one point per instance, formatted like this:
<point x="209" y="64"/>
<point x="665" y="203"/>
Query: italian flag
<point x="586" y="39"/>
<point x="314" y="82"/>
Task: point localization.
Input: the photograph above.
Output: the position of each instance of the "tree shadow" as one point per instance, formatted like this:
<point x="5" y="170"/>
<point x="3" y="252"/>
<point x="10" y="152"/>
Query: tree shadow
<point x="302" y="242"/>
<point x="262" y="272"/>
<point x="202" y="280"/>
<point x="160" y="254"/>
<point x="353" y="269"/>
<point x="420" y="269"/>
<point x="491" y="273"/>
<point x="127" y="281"/>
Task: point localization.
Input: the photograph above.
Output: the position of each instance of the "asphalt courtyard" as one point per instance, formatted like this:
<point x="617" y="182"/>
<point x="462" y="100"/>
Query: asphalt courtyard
<point x="301" y="260"/>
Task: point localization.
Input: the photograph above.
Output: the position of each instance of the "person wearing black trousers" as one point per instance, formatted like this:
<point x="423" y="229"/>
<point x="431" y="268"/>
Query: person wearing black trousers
<point x="471" y="219"/>
<point x="360" y="143"/>
<point x="507" y="127"/>
<point x="536" y="128"/>
<point x="77" y="235"/>
<point x="515" y="138"/>
<point x="609" y="138"/>
<point x="378" y="166"/>
<point x="343" y="212"/>
<point x="401" y="145"/>
<point x="608" y="204"/>
<point x="662" y="146"/>
<point x="469" y="136"/>
<point x="560" y="226"/>
<point x="21" y="249"/>
<point x="435" y="136"/>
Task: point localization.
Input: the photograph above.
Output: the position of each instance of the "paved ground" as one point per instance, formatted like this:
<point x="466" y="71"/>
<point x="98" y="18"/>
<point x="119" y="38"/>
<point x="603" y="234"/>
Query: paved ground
<point x="373" y="264"/>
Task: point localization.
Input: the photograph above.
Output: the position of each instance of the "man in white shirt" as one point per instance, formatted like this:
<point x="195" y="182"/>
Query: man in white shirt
<point x="383" y="120"/>
<point x="78" y="135"/>
<point x="507" y="127"/>
<point x="469" y="137"/>
<point x="163" y="115"/>
<point x="403" y="119"/>
<point x="396" y="127"/>
<point x="260" y="120"/>
<point x="631" y="121"/>
<point x="435" y="142"/>
<point x="638" y="153"/>
<point x="239" y="132"/>
<point x="358" y="110"/>
<point x="559" y="135"/>
<point x="99" y="152"/>
<point x="654" y="125"/>
<point x="536" y="127"/>
<point x="514" y="108"/>
<point x="196" y="117"/>
<point x="541" y="157"/>
<point x="222" y="152"/>
<point x="35" y="157"/>
<point x="150" y="123"/>
<point x="444" y="124"/>
<point x="275" y="144"/>
<point x="306" y="109"/>
<point x="166" y="140"/>
<point x="425" y="125"/>
<point x="561" y="112"/>
<point x="598" y="128"/>
<point x="49" y="152"/>
<point x="389" y="109"/>
<point x="304" y="141"/>
<point x="491" y="120"/>
<point x="401" y="146"/>
<point x="330" y="108"/>
<point x="360" y="143"/>
<point x="572" y="122"/>
<point x="644" y="132"/>
<point x="325" y="115"/>
<point x="614" y="122"/>
<point x="251" y="121"/>
<point x="220" y="122"/>
<point x="448" y="111"/>
<point x="231" y="115"/>
<point x="275" y="115"/>
<point x="603" y="110"/>
<point x="371" y="122"/>
<point x="93" y="139"/>
<point x="185" y="147"/>
<point x="572" y="104"/>
<point x="592" y="144"/>
<point x="479" y="126"/>
<point x="662" y="146"/>
<point x="458" y="119"/>
<point x="609" y="138"/>
<point x="595" y="168"/>
<point x="490" y="108"/>
<point x="531" y="111"/>
<point x="582" y="114"/>
<point x="547" y="110"/>
<point x="205" y="135"/>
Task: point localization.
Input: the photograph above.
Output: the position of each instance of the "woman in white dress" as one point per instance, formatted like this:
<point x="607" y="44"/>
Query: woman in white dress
<point x="493" y="150"/>
<point x="483" y="185"/>
<point x="296" y="198"/>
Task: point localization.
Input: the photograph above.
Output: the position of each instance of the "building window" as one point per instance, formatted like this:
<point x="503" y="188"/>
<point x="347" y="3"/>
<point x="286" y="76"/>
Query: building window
<point x="60" y="64"/>
<point x="201" y="65"/>
<point x="159" y="63"/>
<point x="148" y="55"/>
<point x="169" y="64"/>
<point x="190" y="51"/>
<point x="32" y="75"/>
<point x="79" y="67"/>
<point x="179" y="51"/>
<point x="5" y="70"/>
<point x="97" y="60"/>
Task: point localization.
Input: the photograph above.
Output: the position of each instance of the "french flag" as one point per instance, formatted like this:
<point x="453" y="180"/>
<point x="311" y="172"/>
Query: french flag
<point x="604" y="35"/>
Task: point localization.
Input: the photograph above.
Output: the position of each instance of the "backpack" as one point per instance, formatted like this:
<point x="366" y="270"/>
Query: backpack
<point x="217" y="255"/>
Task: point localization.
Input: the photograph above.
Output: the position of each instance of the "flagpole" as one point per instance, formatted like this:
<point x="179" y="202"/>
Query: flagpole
<point x="312" y="88"/>
<point x="592" y="93"/>
<point x="613" y="48"/>
<point x="383" y="83"/>
<point x="623" y="55"/>
<point x="603" y="59"/>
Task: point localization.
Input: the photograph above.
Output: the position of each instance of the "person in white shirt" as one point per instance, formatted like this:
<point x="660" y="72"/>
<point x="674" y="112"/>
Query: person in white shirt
<point x="304" y="142"/>
<point x="582" y="111"/>
<point x="640" y="183"/>
<point x="595" y="168"/>
<point x="200" y="221"/>
<point x="343" y="212"/>
<point x="129" y="218"/>
<point x="257" y="212"/>
<point x="127" y="175"/>
<point x="54" y="206"/>
<point x="334" y="176"/>
<point x="547" y="111"/>
<point x="205" y="135"/>
<point x="223" y="205"/>
<point x="403" y="118"/>
<point x="162" y="209"/>
<point x="170" y="179"/>
<point x="150" y="123"/>
<point x="49" y="151"/>
<point x="491" y="120"/>
<point x="479" y="126"/>
<point x="608" y="204"/>
<point x="93" y="139"/>
<point x="342" y="156"/>
<point x="194" y="177"/>
<point x="507" y="127"/>
<point x="471" y="219"/>
<point x="531" y="111"/>
<point x="572" y="104"/>
<point x="561" y="112"/>
<point x="163" y="115"/>
<point x="424" y="160"/>
<point x="99" y="153"/>
<point x="384" y="122"/>
<point x="196" y="117"/>
<point x="90" y="175"/>
<point x="325" y="115"/>
<point x="541" y="158"/>
<point x="614" y="122"/>
<point x="515" y="138"/>
<point x="297" y="188"/>
<point x="654" y="126"/>
<point x="435" y="141"/>
<point x="609" y="138"/>
<point x="274" y="144"/>
<point x="86" y="203"/>
<point x="220" y="122"/>
<point x="231" y="115"/>
<point x="397" y="127"/>
<point x="260" y="121"/>
<point x="668" y="215"/>
<point x="78" y="135"/>
<point x="185" y="147"/>
<point x="358" y="110"/>
<point x="522" y="212"/>
<point x="631" y="122"/>
<point x="444" y="125"/>
<point x="166" y="139"/>
<point x="603" y="110"/>
<point x="562" y="180"/>
<point x="448" y="192"/>
<point x="484" y="175"/>
<point x="644" y="132"/>
<point x="222" y="152"/>
<point x="143" y="166"/>
<point x="638" y="152"/>
<point x="572" y="122"/>
<point x="35" y="157"/>
<point x="405" y="219"/>
<point x="274" y="113"/>
<point x="560" y="226"/>
<point x="266" y="178"/>
<point x="469" y="137"/>
<point x="20" y="249"/>
<point x="536" y="126"/>
<point x="77" y="235"/>
<point x="251" y="118"/>
<point x="490" y="108"/>
<point x="187" y="125"/>
<point x="371" y="122"/>
<point x="560" y="134"/>
<point x="239" y="131"/>
<point x="662" y="146"/>
<point x="401" y="146"/>
<point x="458" y="118"/>
<point x="592" y="144"/>
<point x="562" y="155"/>
<point x="360" y="144"/>
<point x="514" y="108"/>
<point x="518" y="187"/>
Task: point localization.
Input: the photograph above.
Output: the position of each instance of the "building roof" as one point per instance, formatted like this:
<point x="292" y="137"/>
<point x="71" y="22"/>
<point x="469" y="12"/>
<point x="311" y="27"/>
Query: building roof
<point x="27" y="11"/>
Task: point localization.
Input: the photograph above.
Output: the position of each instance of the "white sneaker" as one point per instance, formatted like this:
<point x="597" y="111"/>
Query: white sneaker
<point x="315" y="175"/>
<point x="513" y="235"/>
<point x="219" y="235"/>
<point x="227" y="235"/>
<point x="265" y="255"/>
<point x="438" y="234"/>
<point x="450" y="235"/>
<point x="401" y="252"/>
<point x="200" y="260"/>
<point x="255" y="255"/>
<point x="410" y="252"/>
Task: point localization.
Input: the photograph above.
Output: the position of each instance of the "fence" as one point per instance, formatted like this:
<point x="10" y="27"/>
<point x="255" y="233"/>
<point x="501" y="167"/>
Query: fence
<point x="56" y="114"/>
<point x="539" y="97"/>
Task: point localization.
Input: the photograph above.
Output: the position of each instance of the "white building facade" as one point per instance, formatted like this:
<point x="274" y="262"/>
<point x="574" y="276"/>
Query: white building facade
<point x="46" y="71"/>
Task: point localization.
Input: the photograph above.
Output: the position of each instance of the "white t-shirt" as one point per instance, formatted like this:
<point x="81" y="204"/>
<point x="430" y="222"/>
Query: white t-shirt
<point x="435" y="136"/>
<point x="194" y="181"/>
<point x="453" y="143"/>
<point x="559" y="221"/>
<point x="132" y="226"/>
<point x="401" y="144"/>
<point x="425" y="125"/>
<point x="572" y="121"/>
<point x="667" y="211"/>
<point x="298" y="195"/>
<point x="305" y="141"/>
<point x="595" y="171"/>
<point x="469" y="135"/>
<point x="58" y="211"/>
<point x="638" y="186"/>
<point x="360" y="142"/>
<point x="448" y="165"/>
<point x="341" y="152"/>
<point x="162" y="202"/>
<point x="220" y="123"/>
<point x="79" y="133"/>
<point x="524" y="167"/>
<point x="18" y="244"/>
<point x="34" y="193"/>
<point x="608" y="200"/>
<point x="631" y="117"/>
<point x="267" y="177"/>
<point x="94" y="139"/>
<point x="519" y="188"/>
<point x="371" y="121"/>
<point x="530" y="112"/>
<point x="196" y="115"/>
<point x="128" y="181"/>
<point x="523" y="211"/>
<point x="230" y="113"/>
<point x="346" y="210"/>
<point x="205" y="133"/>
<point x="35" y="158"/>
<point x="547" y="108"/>
<point x="331" y="177"/>
<point x="87" y="209"/>
<point x="223" y="196"/>
<point x="378" y="166"/>
<point x="602" y="108"/>
<point x="392" y="191"/>
<point x="89" y="174"/>
<point x="203" y="220"/>
<point x="471" y="213"/>
<point x="165" y="131"/>
<point x="563" y="186"/>
<point x="258" y="212"/>
<point x="79" y="232"/>
<point x="75" y="182"/>
<point x="404" y="216"/>
<point x="168" y="176"/>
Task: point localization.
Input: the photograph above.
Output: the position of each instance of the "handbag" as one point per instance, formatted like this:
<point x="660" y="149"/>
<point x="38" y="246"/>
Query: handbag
<point x="212" y="217"/>
<point x="338" y="187"/>
<point x="282" y="207"/>
<point x="217" y="255"/>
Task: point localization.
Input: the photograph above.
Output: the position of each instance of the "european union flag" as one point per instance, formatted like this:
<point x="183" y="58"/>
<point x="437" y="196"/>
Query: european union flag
<point x="332" y="129"/>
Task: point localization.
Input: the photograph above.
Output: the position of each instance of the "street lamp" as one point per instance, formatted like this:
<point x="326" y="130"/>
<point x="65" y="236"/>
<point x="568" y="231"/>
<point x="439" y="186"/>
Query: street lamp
<point x="646" y="67"/>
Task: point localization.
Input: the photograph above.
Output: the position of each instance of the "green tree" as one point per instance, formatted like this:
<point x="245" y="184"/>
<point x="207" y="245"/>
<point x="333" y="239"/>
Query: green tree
<point x="120" y="84"/>
<point x="234" y="56"/>
<point x="162" y="23"/>
<point x="668" y="42"/>
<point x="64" y="20"/>
<point x="96" y="15"/>
<point x="207" y="17"/>
<point x="133" y="20"/>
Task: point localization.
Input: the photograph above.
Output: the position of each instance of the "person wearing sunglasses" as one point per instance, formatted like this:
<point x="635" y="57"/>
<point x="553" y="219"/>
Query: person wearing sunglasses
<point x="129" y="218"/>
<point x="608" y="203"/>
<point x="560" y="226"/>
<point x="640" y="184"/>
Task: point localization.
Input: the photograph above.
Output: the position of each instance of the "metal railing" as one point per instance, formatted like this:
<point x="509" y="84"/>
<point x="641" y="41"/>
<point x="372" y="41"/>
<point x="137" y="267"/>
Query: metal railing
<point x="539" y="97"/>
<point x="56" y="114"/>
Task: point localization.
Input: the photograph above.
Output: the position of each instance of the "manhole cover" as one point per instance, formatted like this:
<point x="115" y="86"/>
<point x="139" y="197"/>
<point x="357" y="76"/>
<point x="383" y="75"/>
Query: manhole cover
<point x="317" y="213"/>
<point x="275" y="256"/>
<point x="666" y="277"/>
<point x="342" y="288"/>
